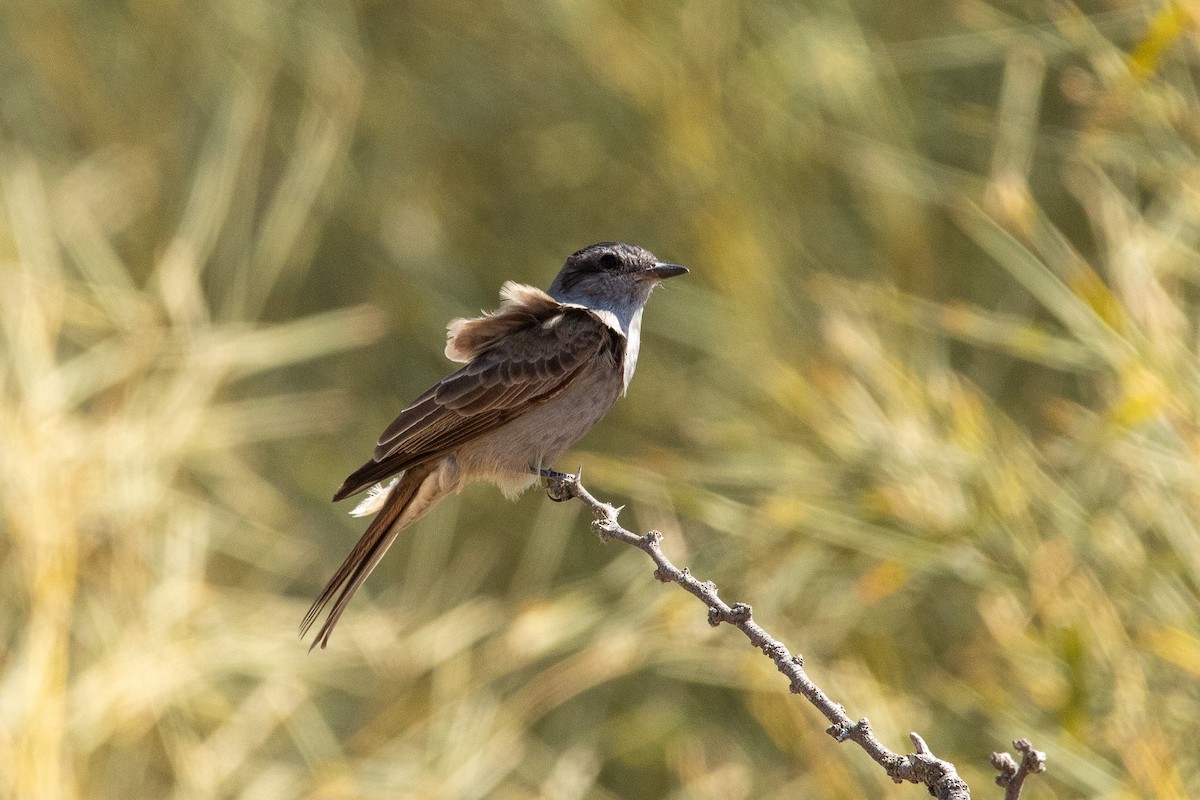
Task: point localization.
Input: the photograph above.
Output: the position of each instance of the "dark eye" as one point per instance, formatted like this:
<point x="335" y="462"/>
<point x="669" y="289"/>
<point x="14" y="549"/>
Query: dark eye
<point x="609" y="261"/>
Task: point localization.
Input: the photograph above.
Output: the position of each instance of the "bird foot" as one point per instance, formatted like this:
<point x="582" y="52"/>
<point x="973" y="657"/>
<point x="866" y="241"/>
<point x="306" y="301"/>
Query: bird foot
<point x="555" y="480"/>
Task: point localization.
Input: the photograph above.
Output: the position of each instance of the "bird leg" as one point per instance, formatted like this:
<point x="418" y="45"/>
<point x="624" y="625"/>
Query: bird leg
<point x="550" y="476"/>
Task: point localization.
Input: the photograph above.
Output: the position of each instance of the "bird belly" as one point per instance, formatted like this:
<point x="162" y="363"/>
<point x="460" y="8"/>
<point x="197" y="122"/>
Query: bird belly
<point x="534" y="440"/>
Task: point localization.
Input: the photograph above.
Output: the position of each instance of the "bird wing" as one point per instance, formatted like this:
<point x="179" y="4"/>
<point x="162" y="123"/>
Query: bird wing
<point x="520" y="305"/>
<point x="529" y="365"/>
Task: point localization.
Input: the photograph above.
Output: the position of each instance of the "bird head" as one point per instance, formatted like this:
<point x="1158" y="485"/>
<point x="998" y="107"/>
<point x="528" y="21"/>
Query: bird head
<point x="611" y="276"/>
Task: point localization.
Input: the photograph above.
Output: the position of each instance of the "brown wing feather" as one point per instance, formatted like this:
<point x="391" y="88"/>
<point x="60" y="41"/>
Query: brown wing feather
<point x="527" y="367"/>
<point x="469" y="338"/>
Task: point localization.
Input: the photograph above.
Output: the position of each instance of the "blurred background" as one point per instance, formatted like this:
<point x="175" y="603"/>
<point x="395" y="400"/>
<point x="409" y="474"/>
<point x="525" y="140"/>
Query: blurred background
<point x="928" y="400"/>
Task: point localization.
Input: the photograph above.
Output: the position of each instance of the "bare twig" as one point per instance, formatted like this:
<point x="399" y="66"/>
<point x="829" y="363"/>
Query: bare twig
<point x="1012" y="776"/>
<point x="920" y="766"/>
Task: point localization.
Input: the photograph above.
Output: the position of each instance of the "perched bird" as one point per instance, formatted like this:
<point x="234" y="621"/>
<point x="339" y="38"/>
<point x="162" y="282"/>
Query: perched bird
<point x="539" y="373"/>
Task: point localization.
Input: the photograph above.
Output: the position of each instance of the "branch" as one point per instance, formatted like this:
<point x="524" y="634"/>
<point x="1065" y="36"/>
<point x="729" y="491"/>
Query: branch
<point x="1012" y="777"/>
<point x="921" y="766"/>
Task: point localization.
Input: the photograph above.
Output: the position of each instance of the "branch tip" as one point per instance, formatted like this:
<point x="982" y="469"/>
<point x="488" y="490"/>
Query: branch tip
<point x="1006" y="766"/>
<point x="1012" y="775"/>
<point x="1036" y="759"/>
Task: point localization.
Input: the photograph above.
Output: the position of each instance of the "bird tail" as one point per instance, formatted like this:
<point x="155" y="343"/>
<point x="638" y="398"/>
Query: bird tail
<point x="408" y="499"/>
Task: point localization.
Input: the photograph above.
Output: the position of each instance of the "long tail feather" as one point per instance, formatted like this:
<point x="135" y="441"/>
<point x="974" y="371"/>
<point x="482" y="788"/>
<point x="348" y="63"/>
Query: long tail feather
<point x="371" y="547"/>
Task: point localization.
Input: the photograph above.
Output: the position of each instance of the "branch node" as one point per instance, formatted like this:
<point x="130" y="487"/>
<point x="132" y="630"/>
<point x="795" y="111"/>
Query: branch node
<point x="798" y="660"/>
<point x="841" y="731"/>
<point x="662" y="576"/>
<point x="775" y="651"/>
<point x="737" y="614"/>
<point x="896" y="767"/>
<point x="652" y="538"/>
<point x="741" y="612"/>
<point x="605" y="528"/>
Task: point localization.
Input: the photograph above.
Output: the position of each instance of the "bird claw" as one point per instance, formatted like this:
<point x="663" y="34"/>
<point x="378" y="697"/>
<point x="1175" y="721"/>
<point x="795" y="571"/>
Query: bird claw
<point x="554" y="478"/>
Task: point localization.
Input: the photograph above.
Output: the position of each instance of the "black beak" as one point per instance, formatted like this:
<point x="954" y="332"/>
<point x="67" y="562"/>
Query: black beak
<point x="660" y="272"/>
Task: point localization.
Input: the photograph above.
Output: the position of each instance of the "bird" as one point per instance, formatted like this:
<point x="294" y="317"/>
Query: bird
<point x="537" y="374"/>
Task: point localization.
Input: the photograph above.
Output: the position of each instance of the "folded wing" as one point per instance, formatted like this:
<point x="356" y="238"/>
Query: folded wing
<point x="531" y="353"/>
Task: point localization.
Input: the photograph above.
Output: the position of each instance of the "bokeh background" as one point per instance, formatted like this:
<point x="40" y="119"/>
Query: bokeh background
<point x="928" y="400"/>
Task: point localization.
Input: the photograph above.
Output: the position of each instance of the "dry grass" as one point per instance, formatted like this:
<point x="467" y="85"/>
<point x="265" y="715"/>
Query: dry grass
<point x="928" y="400"/>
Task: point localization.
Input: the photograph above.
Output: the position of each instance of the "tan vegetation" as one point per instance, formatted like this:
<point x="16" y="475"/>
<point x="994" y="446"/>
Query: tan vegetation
<point x="928" y="400"/>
